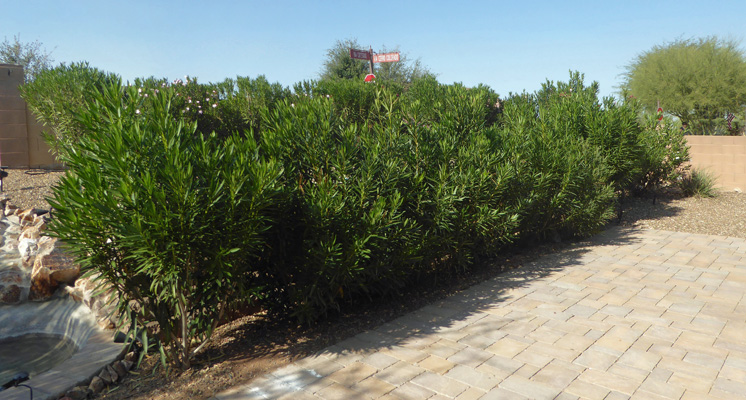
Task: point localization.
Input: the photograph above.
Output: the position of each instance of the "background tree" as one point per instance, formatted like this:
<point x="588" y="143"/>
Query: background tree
<point x="32" y="56"/>
<point x="339" y="64"/>
<point x="697" y="80"/>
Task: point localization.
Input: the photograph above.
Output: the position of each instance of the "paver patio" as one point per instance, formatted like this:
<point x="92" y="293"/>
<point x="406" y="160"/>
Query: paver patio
<point x="627" y="314"/>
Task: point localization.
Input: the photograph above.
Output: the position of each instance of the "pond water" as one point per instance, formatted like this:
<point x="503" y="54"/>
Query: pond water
<point x="33" y="353"/>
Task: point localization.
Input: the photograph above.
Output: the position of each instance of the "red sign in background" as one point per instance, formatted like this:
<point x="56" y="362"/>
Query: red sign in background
<point x="360" y="54"/>
<point x="387" y="57"/>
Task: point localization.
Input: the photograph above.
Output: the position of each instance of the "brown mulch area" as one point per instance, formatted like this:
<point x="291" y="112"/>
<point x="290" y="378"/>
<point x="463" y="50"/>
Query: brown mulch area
<point x="254" y="345"/>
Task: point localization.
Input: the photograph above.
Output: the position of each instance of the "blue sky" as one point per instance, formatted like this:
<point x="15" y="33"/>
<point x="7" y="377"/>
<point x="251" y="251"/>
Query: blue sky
<point x="509" y="45"/>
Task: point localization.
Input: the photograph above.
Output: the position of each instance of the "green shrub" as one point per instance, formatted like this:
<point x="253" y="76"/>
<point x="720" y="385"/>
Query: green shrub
<point x="454" y="104"/>
<point x="224" y="108"/>
<point x="172" y="220"/>
<point x="344" y="189"/>
<point x="565" y="185"/>
<point x="353" y="237"/>
<point x="698" y="183"/>
<point x="664" y="152"/>
<point x="353" y="100"/>
<point x="248" y="98"/>
<point x="56" y="95"/>
<point x="574" y="108"/>
<point x="381" y="202"/>
<point x="203" y="104"/>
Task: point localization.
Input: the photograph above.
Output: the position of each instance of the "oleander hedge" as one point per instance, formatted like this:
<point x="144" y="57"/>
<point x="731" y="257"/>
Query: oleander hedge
<point x="335" y="191"/>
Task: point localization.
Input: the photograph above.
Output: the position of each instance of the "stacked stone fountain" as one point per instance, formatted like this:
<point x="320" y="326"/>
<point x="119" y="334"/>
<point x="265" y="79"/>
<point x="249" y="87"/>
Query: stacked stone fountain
<point x="37" y="280"/>
<point x="34" y="268"/>
<point x="31" y="266"/>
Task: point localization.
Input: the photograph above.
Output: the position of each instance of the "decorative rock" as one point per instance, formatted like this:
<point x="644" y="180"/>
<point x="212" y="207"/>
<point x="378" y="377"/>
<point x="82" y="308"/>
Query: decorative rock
<point x="10" y="209"/>
<point x="78" y="393"/>
<point x="42" y="288"/>
<point x="26" y="217"/>
<point x="41" y="267"/>
<point x="10" y="294"/>
<point x="75" y="293"/>
<point x="119" y="368"/>
<point x="105" y="376"/>
<point x="51" y="268"/>
<point x="113" y="374"/>
<point x="85" y="288"/>
<point x="50" y="256"/>
<point x="27" y="247"/>
<point x="32" y="232"/>
<point x="40" y="222"/>
<point x="129" y="364"/>
<point x="97" y="385"/>
<point x="130" y="357"/>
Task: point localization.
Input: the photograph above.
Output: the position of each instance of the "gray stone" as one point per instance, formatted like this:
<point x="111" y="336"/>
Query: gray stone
<point x="119" y="368"/>
<point x="129" y="364"/>
<point x="105" y="376"/>
<point x="78" y="393"/>
<point x="97" y="385"/>
<point x="130" y="357"/>
<point x="112" y="373"/>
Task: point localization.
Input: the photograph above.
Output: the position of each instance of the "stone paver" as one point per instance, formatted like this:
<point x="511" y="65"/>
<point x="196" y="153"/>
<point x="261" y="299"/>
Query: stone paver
<point x="628" y="314"/>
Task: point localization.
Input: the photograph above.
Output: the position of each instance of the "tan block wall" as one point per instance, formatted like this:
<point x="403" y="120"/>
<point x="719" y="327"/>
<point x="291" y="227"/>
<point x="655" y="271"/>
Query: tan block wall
<point x="723" y="156"/>
<point x="39" y="153"/>
<point x="13" y="132"/>
<point x="21" y="142"/>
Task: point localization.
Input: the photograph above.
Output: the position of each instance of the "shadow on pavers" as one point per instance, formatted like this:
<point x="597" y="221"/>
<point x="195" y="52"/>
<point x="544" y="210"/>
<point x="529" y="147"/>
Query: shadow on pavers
<point x="463" y="308"/>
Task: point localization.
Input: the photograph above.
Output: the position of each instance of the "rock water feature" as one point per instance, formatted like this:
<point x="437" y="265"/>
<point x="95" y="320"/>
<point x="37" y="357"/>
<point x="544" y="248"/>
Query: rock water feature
<point x="50" y="324"/>
<point x="31" y="265"/>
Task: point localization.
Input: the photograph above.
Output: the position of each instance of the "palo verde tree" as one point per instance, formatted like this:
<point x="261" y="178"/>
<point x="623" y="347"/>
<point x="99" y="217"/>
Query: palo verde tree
<point x="32" y="56"/>
<point x="697" y="80"/>
<point x="339" y="64"/>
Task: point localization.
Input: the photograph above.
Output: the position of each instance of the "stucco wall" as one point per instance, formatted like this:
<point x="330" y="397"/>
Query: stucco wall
<point x="723" y="156"/>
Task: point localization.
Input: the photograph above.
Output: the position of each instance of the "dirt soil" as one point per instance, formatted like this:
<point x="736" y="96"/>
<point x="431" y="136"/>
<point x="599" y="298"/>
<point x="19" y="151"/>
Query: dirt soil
<point x="256" y="344"/>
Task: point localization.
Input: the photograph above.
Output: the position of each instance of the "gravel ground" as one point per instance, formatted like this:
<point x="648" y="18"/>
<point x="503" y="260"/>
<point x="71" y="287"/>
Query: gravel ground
<point x="27" y="188"/>
<point x="724" y="215"/>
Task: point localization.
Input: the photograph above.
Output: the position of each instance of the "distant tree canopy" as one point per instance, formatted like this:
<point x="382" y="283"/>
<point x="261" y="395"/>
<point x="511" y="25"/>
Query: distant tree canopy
<point x="697" y="80"/>
<point x="339" y="64"/>
<point x="32" y="56"/>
